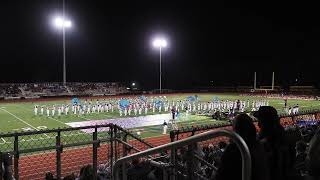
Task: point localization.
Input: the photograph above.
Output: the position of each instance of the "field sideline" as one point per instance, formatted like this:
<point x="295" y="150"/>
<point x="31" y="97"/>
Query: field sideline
<point x="18" y="116"/>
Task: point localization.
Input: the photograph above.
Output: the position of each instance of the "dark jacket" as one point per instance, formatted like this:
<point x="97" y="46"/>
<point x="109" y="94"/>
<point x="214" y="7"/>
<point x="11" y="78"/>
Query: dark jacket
<point x="313" y="155"/>
<point x="231" y="163"/>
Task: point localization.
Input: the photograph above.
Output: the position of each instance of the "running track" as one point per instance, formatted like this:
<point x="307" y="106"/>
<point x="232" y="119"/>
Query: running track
<point x="35" y="166"/>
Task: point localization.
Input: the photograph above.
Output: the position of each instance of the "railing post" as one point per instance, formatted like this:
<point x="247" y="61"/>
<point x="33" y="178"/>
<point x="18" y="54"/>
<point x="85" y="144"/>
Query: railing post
<point x="95" y="152"/>
<point x="1" y="170"/>
<point x="191" y="168"/>
<point x="58" y="154"/>
<point x="111" y="147"/>
<point x="164" y="174"/>
<point x="16" y="157"/>
<point x="125" y="153"/>
<point x="177" y="133"/>
<point x="193" y="132"/>
<point x="125" y="150"/>
<point x="172" y="136"/>
<point x="172" y="158"/>
<point x="115" y="144"/>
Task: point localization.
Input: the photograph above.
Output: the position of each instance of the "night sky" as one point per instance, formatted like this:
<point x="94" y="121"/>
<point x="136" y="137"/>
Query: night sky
<point x="219" y="41"/>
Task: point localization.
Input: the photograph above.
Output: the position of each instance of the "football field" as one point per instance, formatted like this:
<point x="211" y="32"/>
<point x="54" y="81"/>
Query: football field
<point x="19" y="117"/>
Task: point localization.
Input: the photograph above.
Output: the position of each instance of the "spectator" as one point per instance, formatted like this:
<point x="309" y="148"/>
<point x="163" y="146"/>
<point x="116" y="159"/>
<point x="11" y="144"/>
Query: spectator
<point x="313" y="156"/>
<point x="222" y="145"/>
<point x="70" y="177"/>
<point x="139" y="170"/>
<point x="272" y="136"/>
<point x="215" y="154"/>
<point x="301" y="155"/>
<point x="104" y="171"/>
<point x="231" y="161"/>
<point x="86" y="173"/>
<point x="49" y="176"/>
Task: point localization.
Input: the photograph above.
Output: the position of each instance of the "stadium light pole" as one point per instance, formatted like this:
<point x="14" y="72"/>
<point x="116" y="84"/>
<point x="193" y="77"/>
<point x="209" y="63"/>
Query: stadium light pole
<point x="160" y="43"/>
<point x="63" y="23"/>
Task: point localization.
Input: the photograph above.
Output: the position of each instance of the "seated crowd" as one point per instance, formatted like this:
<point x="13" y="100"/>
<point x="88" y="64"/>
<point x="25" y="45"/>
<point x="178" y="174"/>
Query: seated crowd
<point x="9" y="90"/>
<point x="276" y="152"/>
<point x="86" y="173"/>
<point x="58" y="89"/>
<point x="281" y="95"/>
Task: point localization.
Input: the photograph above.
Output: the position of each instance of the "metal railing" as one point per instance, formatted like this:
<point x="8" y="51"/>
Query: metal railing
<point x="285" y="120"/>
<point x="36" y="152"/>
<point x="246" y="158"/>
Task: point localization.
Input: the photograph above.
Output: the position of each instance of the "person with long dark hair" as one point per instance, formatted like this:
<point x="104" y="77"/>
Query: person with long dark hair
<point x="272" y="136"/>
<point x="231" y="166"/>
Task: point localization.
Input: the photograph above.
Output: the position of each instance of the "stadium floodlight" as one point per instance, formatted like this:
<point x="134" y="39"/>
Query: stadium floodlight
<point x="133" y="84"/>
<point x="160" y="43"/>
<point x="61" y="22"/>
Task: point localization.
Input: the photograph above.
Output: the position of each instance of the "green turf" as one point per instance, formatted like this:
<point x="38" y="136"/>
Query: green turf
<point x="20" y="117"/>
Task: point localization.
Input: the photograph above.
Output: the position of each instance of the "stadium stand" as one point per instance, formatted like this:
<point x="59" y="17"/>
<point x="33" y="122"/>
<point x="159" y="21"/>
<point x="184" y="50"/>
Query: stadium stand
<point x="37" y="90"/>
<point x="308" y="90"/>
<point x="280" y="95"/>
<point x="10" y="90"/>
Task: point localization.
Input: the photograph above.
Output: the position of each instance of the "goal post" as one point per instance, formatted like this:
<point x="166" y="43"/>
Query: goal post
<point x="263" y="89"/>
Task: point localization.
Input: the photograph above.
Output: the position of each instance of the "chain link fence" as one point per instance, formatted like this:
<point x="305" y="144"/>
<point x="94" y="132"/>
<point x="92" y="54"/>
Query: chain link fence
<point x="285" y="120"/>
<point x="65" y="151"/>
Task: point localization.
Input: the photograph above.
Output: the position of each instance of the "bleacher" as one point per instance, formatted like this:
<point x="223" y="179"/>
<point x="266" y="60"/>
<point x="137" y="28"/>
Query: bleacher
<point x="10" y="90"/>
<point x="37" y="90"/>
<point x="308" y="90"/>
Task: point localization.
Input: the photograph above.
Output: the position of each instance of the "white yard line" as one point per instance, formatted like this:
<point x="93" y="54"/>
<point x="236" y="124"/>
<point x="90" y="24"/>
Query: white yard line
<point x="57" y="120"/>
<point x="67" y="135"/>
<point x="21" y="120"/>
<point x="6" y="143"/>
<point x="37" y="139"/>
